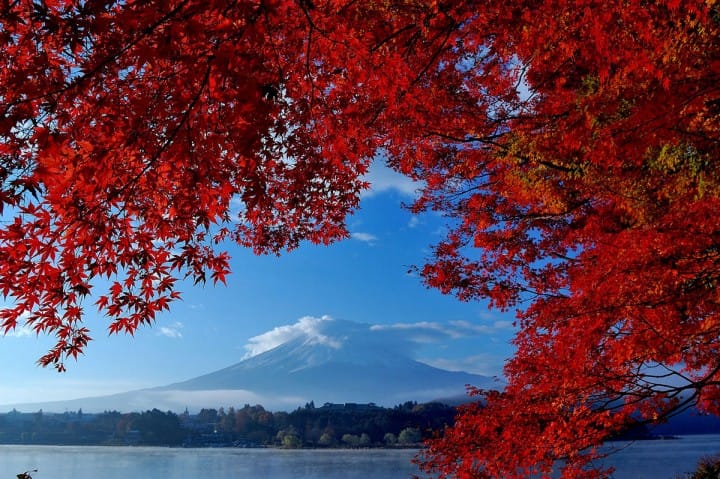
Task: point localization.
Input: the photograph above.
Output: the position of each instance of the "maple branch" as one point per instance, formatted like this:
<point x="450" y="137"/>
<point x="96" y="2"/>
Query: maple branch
<point x="145" y="32"/>
<point x="170" y="139"/>
<point x="391" y="36"/>
<point x="346" y="6"/>
<point x="303" y="4"/>
<point x="533" y="216"/>
<point x="79" y="80"/>
<point x="488" y="139"/>
<point x="436" y="54"/>
<point x="308" y="50"/>
<point x="695" y="386"/>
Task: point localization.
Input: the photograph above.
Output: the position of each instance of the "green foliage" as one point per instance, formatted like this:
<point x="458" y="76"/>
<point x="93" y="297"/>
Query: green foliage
<point x="289" y="439"/>
<point x="326" y="440"/>
<point x="158" y="428"/>
<point x="409" y="435"/>
<point x="332" y="425"/>
<point x="351" y="440"/>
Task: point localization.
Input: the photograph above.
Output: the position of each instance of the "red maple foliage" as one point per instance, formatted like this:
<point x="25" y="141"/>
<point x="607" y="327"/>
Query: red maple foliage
<point x="136" y="136"/>
<point x="571" y="144"/>
<point x="585" y="196"/>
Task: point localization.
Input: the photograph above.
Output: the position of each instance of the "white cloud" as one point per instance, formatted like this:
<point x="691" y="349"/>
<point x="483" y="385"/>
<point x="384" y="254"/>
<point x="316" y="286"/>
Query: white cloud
<point x="238" y="209"/>
<point x="451" y="329"/>
<point x="467" y="326"/>
<point x="308" y="327"/>
<point x="172" y="331"/>
<point x="413" y="222"/>
<point x="59" y="387"/>
<point x="419" y="326"/>
<point x="409" y="339"/>
<point x="503" y="324"/>
<point x="101" y="396"/>
<point x="382" y="179"/>
<point x="364" y="237"/>
<point x="195" y="400"/>
<point x="484" y="364"/>
<point x="23" y="331"/>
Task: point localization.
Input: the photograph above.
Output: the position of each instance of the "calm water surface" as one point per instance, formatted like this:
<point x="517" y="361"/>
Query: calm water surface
<point x="63" y="462"/>
<point x="640" y="460"/>
<point x="661" y="459"/>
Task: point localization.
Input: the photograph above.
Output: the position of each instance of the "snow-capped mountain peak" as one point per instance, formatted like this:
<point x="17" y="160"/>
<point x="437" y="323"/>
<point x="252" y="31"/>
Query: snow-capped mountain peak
<point x="316" y="359"/>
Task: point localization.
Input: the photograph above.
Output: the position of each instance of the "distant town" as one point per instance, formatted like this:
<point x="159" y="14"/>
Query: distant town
<point x="330" y="425"/>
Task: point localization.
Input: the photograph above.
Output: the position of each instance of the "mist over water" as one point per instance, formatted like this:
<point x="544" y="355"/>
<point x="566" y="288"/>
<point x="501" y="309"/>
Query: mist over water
<point x="90" y="462"/>
<point x="660" y="459"/>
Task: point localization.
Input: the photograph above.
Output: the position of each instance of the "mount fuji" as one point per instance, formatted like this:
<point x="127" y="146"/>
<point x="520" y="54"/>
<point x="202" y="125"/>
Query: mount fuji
<point x="321" y="360"/>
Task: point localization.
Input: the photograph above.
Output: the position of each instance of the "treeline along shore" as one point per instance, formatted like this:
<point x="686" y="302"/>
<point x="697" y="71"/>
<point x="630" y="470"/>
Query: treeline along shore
<point x="331" y="425"/>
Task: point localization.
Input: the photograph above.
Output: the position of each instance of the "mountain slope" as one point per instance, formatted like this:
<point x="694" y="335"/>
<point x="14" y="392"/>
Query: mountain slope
<point x="334" y="361"/>
<point x="321" y="373"/>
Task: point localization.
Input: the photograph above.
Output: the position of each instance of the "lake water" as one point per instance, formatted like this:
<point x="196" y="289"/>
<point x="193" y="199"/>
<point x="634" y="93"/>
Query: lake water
<point x="639" y="460"/>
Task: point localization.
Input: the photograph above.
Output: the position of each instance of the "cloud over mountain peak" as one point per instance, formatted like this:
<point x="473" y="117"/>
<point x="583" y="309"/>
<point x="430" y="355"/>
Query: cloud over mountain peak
<point x="317" y="359"/>
<point x="356" y="341"/>
<point x="308" y="328"/>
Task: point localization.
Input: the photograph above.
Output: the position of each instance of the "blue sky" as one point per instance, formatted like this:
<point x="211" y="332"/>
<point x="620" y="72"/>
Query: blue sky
<point x="363" y="279"/>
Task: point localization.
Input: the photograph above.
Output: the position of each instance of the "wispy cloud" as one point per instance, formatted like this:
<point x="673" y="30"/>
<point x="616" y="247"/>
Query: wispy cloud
<point x="23" y="331"/>
<point x="445" y="334"/>
<point x="306" y="327"/>
<point x="172" y="331"/>
<point x="406" y="338"/>
<point x="196" y="400"/>
<point x="382" y="179"/>
<point x="59" y="387"/>
<point x="484" y="364"/>
<point x="364" y="237"/>
<point x="238" y="209"/>
<point x="451" y="329"/>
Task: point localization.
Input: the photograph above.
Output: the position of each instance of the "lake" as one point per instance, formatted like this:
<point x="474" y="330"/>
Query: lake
<point x="640" y="460"/>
